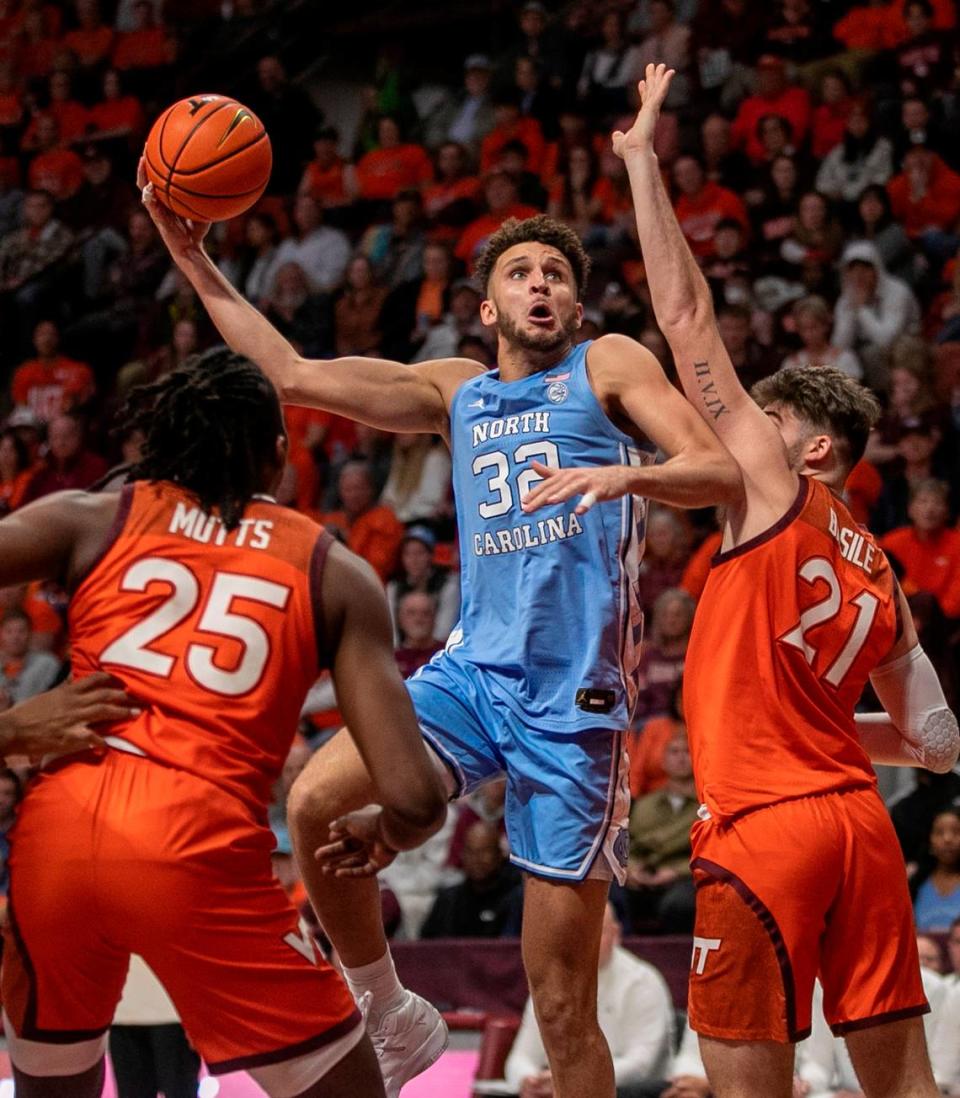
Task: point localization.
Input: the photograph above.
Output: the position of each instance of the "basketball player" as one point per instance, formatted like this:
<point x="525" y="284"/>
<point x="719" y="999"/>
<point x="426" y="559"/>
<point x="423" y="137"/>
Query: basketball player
<point x="796" y="862"/>
<point x="539" y="677"/>
<point x="215" y="609"/>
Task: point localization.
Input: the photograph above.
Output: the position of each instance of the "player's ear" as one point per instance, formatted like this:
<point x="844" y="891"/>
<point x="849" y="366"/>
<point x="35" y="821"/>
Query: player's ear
<point x="283" y="447"/>
<point x="488" y="312"/>
<point x="819" y="449"/>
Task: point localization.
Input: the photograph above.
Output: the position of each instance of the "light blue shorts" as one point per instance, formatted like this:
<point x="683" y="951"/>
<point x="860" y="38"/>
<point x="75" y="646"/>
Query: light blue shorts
<point x="567" y="799"/>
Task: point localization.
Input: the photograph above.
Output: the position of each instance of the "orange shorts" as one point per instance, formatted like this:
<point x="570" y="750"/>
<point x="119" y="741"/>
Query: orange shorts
<point x="796" y="890"/>
<point x="115" y="854"/>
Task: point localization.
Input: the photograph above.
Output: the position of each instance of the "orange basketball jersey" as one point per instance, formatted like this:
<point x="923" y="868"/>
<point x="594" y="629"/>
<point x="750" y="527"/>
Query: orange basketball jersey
<point x="789" y="628"/>
<point x="217" y="634"/>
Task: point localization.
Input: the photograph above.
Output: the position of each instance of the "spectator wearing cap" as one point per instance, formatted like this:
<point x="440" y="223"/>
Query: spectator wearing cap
<point x="328" y="178"/>
<point x="502" y="202"/>
<point x="925" y="198"/>
<point x="394" y="165"/>
<point x="701" y="205"/>
<point x="467" y="117"/>
<point x="51" y="383"/>
<point x="27" y="428"/>
<point x="69" y="463"/>
<point x="928" y="548"/>
<point x="103" y="200"/>
<point x="416" y="624"/>
<point x="774" y="95"/>
<point x="367" y="527"/>
<point x="418" y="572"/>
<point x="873" y="310"/>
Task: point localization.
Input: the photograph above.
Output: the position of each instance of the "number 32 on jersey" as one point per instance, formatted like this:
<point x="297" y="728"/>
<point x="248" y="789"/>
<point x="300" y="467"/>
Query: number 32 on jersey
<point x="218" y="620"/>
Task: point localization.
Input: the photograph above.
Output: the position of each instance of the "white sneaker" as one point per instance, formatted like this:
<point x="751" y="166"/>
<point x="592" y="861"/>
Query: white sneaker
<point x="407" y="1039"/>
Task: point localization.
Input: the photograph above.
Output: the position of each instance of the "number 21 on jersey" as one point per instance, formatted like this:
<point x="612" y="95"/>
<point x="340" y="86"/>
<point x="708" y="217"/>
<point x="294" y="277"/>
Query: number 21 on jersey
<point x="133" y="647"/>
<point x="826" y="609"/>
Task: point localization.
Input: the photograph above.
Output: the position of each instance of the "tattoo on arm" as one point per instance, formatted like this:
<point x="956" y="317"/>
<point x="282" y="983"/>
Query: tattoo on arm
<point x="708" y="390"/>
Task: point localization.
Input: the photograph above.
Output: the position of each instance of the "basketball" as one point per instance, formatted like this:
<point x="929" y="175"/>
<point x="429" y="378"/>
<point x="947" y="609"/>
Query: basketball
<point x="208" y="158"/>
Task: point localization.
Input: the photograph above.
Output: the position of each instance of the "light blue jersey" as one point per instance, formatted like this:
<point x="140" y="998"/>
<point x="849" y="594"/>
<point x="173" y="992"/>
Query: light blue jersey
<point x="549" y="609"/>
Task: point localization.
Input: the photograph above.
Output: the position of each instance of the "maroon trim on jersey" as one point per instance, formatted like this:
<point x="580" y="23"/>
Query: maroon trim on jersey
<point x="778" y="527"/>
<point x="291" y="1052"/>
<point x="769" y="924"/>
<point x="29" y="1030"/>
<point x="116" y="529"/>
<point x="881" y="1019"/>
<point x="318" y="558"/>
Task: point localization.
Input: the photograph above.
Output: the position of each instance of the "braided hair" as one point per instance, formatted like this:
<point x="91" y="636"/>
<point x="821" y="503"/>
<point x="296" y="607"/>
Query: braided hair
<point x="210" y="426"/>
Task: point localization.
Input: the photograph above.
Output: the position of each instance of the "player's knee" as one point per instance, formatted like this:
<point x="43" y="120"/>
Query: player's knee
<point x="562" y="1014"/>
<point x="311" y="804"/>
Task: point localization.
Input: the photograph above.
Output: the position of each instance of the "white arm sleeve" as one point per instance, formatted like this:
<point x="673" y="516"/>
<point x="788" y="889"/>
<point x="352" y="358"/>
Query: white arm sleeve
<point x="916" y="714"/>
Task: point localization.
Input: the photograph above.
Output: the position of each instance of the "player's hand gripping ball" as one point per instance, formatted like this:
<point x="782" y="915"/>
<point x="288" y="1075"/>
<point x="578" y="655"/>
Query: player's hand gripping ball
<point x="208" y="158"/>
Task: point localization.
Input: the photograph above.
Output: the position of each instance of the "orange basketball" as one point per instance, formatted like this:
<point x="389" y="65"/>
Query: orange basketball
<point x="208" y="158"/>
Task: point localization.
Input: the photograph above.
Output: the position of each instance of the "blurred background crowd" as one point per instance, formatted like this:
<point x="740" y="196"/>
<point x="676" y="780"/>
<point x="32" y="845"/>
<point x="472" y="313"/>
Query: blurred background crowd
<point x="812" y="151"/>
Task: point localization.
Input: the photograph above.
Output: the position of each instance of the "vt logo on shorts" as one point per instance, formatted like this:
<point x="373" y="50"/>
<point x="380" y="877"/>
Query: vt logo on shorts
<point x="702" y="948"/>
<point x="303" y="944"/>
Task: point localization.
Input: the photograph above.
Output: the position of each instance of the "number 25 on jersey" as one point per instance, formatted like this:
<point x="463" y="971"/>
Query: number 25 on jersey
<point x="218" y="620"/>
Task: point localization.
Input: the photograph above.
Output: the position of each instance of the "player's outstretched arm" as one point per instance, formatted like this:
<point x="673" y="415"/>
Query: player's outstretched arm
<point x="377" y="710"/>
<point x="684" y="311"/>
<point x="384" y="394"/>
<point x="917" y="727"/>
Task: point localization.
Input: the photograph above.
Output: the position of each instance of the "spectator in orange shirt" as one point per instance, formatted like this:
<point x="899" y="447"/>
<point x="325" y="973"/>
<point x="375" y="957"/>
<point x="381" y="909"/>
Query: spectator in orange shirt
<point x="453" y="199"/>
<point x="69" y="463"/>
<point x="773" y="96"/>
<point x="147" y="46"/>
<point x="925" y="197"/>
<point x="328" y="178"/>
<point x="928" y="549"/>
<point x="15" y="471"/>
<point x="500" y="193"/>
<point x="51" y="383"/>
<point x="829" y="122"/>
<point x="117" y="114"/>
<point x="369" y="528"/>
<point x="54" y="169"/>
<point x="511" y="125"/>
<point x="645" y="747"/>
<point x="394" y="165"/>
<point x="92" y="41"/>
<point x="866" y="28"/>
<point x="72" y="116"/>
<point x="701" y="205"/>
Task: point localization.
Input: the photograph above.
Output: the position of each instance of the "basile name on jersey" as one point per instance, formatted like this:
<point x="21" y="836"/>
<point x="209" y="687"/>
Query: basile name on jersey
<point x="854" y="546"/>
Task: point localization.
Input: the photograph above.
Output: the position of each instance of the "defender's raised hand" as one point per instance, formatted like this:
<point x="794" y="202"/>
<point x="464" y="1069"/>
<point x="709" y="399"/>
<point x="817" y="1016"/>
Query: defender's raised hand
<point x="653" y="91"/>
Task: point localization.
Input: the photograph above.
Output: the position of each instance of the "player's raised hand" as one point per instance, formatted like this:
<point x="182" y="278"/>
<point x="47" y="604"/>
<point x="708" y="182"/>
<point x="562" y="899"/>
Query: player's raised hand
<point x="592" y="485"/>
<point x="357" y="847"/>
<point x="181" y="236"/>
<point x="653" y="90"/>
<point x="58" y="722"/>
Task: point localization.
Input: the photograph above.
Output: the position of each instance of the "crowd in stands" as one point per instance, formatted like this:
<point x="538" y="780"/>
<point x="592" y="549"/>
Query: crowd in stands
<point x="812" y="152"/>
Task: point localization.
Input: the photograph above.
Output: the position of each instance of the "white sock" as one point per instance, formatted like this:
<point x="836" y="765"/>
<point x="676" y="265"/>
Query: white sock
<point x="380" y="978"/>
